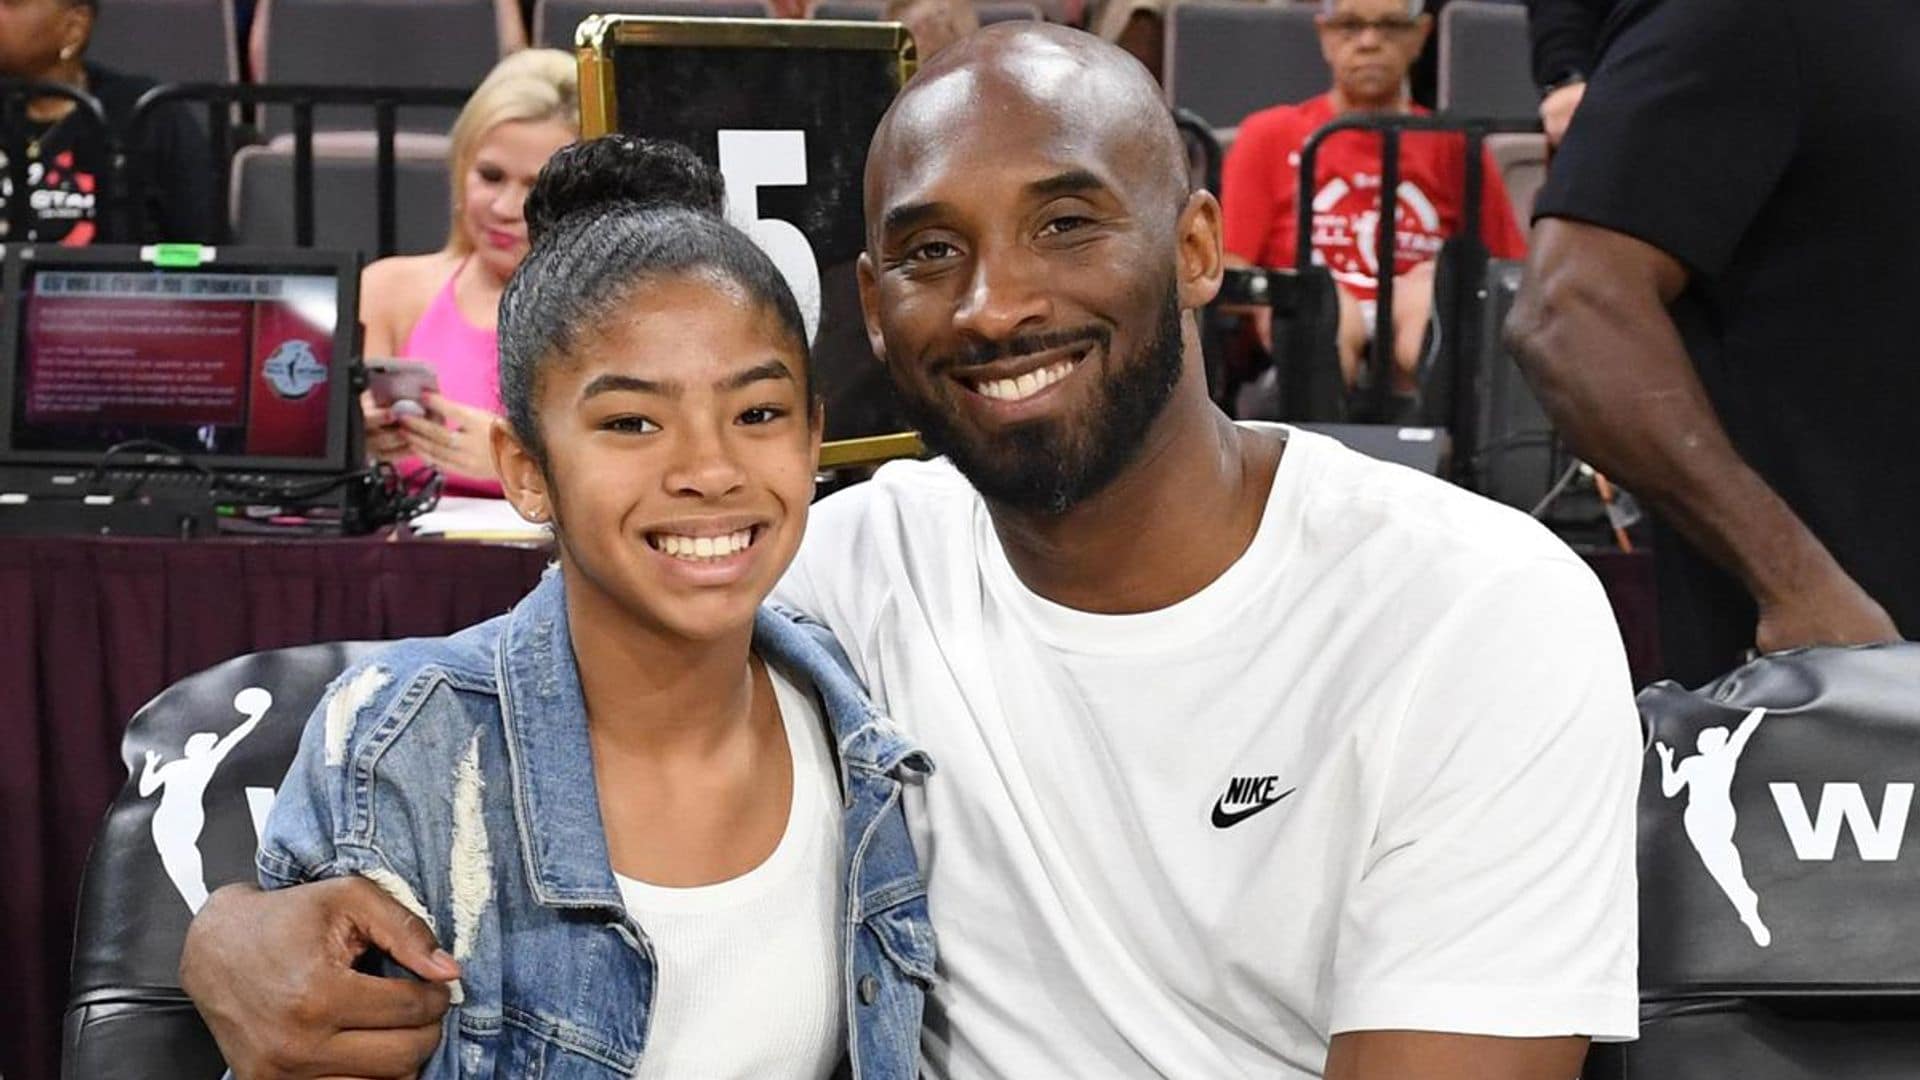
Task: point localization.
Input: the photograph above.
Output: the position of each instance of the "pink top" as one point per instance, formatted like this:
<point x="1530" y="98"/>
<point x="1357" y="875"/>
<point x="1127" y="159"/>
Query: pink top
<point x="467" y="360"/>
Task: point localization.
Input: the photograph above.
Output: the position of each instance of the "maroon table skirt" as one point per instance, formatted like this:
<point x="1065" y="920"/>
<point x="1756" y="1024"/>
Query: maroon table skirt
<point x="90" y="629"/>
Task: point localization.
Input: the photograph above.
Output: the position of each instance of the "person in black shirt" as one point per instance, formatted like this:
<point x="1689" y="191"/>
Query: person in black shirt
<point x="1739" y="191"/>
<point x="1565" y="35"/>
<point x="68" y="162"/>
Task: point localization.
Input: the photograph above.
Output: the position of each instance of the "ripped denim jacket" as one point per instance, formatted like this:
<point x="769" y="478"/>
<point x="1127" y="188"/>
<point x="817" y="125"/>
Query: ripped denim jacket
<point x="464" y="756"/>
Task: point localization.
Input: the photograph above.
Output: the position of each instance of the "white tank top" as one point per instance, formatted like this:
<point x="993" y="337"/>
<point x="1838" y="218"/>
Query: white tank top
<point x="748" y="980"/>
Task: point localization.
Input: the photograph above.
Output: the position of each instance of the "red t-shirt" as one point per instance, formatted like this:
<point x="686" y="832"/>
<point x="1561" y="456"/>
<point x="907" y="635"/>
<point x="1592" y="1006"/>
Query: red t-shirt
<point x="1262" y="174"/>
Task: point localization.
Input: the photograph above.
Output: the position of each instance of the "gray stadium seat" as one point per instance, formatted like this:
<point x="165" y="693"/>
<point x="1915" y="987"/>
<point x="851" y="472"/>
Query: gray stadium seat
<point x="379" y="43"/>
<point x="989" y="11"/>
<point x="1054" y="11"/>
<point x="848" y="10"/>
<point x="184" y="41"/>
<point x="993" y="11"/>
<point x="554" y="20"/>
<point x="345" y="211"/>
<point x="1522" y="161"/>
<point x="1484" y="60"/>
<point x="1226" y="60"/>
<point x="127" y="1018"/>
<point x="1833" y="992"/>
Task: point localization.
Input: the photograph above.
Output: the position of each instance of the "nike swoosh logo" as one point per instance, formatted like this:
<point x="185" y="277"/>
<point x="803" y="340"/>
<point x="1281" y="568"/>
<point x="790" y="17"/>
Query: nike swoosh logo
<point x="1225" y="819"/>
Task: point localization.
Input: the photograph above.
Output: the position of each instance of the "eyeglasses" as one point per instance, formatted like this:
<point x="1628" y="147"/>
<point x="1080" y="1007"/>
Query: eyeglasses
<point x="1352" y="26"/>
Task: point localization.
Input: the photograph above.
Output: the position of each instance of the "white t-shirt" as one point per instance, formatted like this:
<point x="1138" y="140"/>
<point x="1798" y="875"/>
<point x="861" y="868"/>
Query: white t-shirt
<point x="748" y="982"/>
<point x="1380" y="773"/>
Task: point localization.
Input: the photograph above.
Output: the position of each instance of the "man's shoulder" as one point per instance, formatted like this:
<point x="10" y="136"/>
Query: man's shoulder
<point x="1448" y="531"/>
<point x="902" y="497"/>
<point x="911" y="520"/>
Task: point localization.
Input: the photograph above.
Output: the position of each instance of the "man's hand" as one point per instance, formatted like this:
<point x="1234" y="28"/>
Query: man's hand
<point x="1557" y="109"/>
<point x="1835" y="611"/>
<point x="272" y="974"/>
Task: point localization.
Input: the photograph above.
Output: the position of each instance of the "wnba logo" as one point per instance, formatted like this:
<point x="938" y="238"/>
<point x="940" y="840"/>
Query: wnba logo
<point x="182" y="785"/>
<point x="1707" y="778"/>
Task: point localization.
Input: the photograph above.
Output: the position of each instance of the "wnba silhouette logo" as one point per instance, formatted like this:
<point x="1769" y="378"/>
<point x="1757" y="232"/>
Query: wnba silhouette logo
<point x="182" y="783"/>
<point x="1707" y="778"/>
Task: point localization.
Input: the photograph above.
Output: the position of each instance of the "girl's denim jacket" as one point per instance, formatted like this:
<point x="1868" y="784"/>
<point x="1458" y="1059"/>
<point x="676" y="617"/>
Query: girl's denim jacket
<point x="456" y="773"/>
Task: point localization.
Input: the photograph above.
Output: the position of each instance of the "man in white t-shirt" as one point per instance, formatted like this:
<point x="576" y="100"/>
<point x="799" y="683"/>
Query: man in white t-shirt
<point x="1255" y="757"/>
<point x="1248" y="745"/>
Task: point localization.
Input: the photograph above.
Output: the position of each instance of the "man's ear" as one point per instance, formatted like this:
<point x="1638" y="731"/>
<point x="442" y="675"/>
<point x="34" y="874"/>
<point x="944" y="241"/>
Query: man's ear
<point x="1201" y="250"/>
<point x="522" y="478"/>
<point x="870" y="306"/>
<point x="1426" y="31"/>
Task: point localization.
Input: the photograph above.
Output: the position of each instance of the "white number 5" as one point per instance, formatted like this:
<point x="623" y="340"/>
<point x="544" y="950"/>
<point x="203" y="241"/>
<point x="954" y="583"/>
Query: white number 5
<point x="749" y="161"/>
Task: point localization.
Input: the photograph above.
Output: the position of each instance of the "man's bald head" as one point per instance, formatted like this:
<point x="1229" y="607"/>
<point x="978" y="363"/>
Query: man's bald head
<point x="1094" y="99"/>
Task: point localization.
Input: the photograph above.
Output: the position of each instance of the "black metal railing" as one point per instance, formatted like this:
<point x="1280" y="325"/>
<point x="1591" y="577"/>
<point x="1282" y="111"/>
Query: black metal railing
<point x="226" y="137"/>
<point x="16" y="139"/>
<point x="1463" y="287"/>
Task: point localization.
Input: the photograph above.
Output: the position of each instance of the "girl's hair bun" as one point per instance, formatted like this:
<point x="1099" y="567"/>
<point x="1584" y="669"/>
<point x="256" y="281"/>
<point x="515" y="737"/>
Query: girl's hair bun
<point x="623" y="171"/>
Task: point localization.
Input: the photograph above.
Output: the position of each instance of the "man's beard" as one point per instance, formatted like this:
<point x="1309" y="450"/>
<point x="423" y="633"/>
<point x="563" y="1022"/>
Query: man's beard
<point x="1050" y="466"/>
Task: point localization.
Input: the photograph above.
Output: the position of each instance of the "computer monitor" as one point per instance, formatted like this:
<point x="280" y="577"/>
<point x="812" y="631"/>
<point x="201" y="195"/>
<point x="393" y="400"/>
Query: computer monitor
<point x="238" y="359"/>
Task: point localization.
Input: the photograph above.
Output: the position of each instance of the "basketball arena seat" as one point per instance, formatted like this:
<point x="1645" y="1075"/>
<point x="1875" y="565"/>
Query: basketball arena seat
<point x="1485" y="60"/>
<point x="432" y="43"/>
<point x="173" y="41"/>
<point x="988" y="11"/>
<point x="1302" y="382"/>
<point x="345" y="194"/>
<point x="554" y="20"/>
<point x="203" y="760"/>
<point x="1521" y="158"/>
<point x="1779" y="937"/>
<point x="1223" y="61"/>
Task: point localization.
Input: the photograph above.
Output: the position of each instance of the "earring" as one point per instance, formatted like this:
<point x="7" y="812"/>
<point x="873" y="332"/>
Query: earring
<point x="67" y="51"/>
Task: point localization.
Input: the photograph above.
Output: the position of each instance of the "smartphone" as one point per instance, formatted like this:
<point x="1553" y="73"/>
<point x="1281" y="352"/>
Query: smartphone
<point x="391" y="381"/>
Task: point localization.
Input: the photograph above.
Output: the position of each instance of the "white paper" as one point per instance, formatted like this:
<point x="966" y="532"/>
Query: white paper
<point x="464" y="514"/>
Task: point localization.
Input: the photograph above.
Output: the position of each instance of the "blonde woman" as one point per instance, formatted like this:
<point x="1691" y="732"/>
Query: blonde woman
<point x="441" y="307"/>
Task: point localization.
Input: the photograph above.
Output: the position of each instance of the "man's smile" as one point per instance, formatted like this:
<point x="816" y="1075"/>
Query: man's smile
<point x="1023" y="378"/>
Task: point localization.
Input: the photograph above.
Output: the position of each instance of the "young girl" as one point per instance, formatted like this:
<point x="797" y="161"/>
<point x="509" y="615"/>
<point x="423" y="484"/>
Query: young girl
<point x="656" y="825"/>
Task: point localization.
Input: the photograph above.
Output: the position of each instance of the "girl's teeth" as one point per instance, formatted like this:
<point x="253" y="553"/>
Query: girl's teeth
<point x="695" y="548"/>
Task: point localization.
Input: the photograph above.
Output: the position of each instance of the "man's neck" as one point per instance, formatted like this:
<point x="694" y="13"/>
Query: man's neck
<point x="1183" y="512"/>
